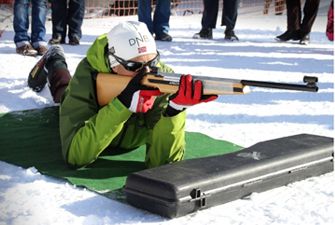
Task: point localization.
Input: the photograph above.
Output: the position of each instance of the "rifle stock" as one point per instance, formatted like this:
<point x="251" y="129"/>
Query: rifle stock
<point x="110" y="85"/>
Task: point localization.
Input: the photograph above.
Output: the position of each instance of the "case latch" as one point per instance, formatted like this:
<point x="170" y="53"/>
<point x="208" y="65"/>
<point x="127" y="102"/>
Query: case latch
<point x="199" y="197"/>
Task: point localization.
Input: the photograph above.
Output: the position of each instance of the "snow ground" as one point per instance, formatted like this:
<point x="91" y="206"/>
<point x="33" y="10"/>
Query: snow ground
<point x="27" y="197"/>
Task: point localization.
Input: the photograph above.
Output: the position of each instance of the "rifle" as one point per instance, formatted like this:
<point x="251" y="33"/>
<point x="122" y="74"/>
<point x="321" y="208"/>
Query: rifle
<point x="110" y="85"/>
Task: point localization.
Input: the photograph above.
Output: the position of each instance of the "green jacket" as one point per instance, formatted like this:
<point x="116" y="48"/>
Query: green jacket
<point x="86" y="129"/>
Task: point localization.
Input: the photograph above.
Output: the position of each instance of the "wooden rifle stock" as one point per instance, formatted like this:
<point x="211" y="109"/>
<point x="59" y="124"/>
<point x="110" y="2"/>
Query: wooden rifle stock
<point x="110" y="85"/>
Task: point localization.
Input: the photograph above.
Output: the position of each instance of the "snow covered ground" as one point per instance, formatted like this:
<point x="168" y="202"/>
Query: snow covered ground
<point x="27" y="197"/>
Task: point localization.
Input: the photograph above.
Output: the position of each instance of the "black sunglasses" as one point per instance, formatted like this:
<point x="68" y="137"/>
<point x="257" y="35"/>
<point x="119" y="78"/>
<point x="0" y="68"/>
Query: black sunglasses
<point x="136" y="66"/>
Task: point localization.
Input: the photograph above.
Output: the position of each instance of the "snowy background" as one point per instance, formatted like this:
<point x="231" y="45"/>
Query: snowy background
<point x="27" y="197"/>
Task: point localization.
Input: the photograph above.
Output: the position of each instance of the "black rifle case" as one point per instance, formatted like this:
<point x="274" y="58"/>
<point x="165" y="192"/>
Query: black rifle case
<point x="184" y="187"/>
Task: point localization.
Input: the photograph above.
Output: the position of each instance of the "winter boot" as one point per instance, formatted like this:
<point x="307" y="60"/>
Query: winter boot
<point x="230" y="35"/>
<point x="163" y="37"/>
<point x="51" y="68"/>
<point x="205" y="33"/>
<point x="305" y="39"/>
<point x="289" y="35"/>
<point x="56" y="40"/>
<point x="37" y="78"/>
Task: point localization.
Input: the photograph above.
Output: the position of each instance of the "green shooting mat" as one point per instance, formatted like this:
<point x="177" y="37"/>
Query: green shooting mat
<point x="30" y="138"/>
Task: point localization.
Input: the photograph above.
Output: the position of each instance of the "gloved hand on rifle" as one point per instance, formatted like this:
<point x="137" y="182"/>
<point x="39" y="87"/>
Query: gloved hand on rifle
<point x="190" y="93"/>
<point x="137" y="97"/>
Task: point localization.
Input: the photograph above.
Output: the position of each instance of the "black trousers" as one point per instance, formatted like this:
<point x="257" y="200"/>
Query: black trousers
<point x="210" y="13"/>
<point x="70" y="15"/>
<point x="294" y="16"/>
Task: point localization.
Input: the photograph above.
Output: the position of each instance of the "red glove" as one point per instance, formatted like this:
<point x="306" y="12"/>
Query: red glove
<point x="189" y="93"/>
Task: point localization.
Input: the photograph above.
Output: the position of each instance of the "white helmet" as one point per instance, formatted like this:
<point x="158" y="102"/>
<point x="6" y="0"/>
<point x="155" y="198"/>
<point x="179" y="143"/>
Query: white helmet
<point x="128" y="40"/>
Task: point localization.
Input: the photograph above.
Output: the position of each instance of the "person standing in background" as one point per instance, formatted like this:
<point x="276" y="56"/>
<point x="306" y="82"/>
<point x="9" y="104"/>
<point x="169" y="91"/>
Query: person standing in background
<point x="35" y="44"/>
<point x="67" y="18"/>
<point x="297" y="29"/>
<point x="159" y="25"/>
<point x="330" y="22"/>
<point x="209" y="17"/>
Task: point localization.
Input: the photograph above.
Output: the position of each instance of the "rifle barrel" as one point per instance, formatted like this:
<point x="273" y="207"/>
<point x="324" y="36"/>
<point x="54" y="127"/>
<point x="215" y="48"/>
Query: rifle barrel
<point x="310" y="86"/>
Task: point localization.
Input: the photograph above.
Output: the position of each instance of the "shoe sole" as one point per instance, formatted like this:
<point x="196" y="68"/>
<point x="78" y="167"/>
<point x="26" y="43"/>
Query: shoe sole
<point x="203" y="38"/>
<point x="304" y="43"/>
<point x="280" y="40"/>
<point x="74" y="44"/>
<point x="37" y="83"/>
<point x="231" y="40"/>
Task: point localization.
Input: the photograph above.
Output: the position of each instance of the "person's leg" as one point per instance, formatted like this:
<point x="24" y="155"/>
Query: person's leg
<point x="39" y="14"/>
<point x="229" y="17"/>
<point x="330" y="22"/>
<point x="59" y="15"/>
<point x="311" y="8"/>
<point x="210" y="14"/>
<point x="21" y="21"/>
<point x="293" y="15"/>
<point x="310" y="11"/>
<point x="53" y="68"/>
<point x="75" y="20"/>
<point x="144" y="14"/>
<point x="21" y="26"/>
<point x="293" y="21"/>
<point x="58" y="74"/>
<point x="208" y="20"/>
<point x="161" y="19"/>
